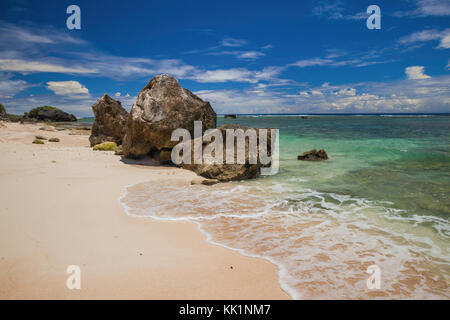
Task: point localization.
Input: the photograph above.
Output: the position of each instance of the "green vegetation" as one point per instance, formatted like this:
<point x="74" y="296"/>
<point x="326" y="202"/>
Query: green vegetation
<point x="37" y="141"/>
<point x="34" y="112"/>
<point x="13" y="117"/>
<point x="106" y="146"/>
<point x="2" y="109"/>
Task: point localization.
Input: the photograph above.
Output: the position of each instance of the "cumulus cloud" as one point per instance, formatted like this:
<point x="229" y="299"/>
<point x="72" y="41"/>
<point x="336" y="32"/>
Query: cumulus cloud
<point x="416" y="72"/>
<point x="117" y="94"/>
<point x="67" y="88"/>
<point x="427" y="95"/>
<point x="346" y="92"/>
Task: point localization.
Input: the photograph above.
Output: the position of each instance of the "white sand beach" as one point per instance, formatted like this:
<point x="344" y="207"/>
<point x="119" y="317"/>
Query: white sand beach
<point x="59" y="207"/>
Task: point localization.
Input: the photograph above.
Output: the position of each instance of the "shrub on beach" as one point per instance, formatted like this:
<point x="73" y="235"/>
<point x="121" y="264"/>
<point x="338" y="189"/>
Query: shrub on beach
<point x="54" y="140"/>
<point x="37" y="141"/>
<point x="106" y="146"/>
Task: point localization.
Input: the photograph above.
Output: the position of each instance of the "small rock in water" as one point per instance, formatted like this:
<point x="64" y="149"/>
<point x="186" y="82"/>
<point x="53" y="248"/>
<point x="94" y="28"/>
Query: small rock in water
<point x="54" y="140"/>
<point x="313" y="155"/>
<point x="210" y="182"/>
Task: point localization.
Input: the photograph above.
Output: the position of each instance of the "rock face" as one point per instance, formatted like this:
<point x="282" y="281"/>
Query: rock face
<point x="50" y="114"/>
<point x="110" y="121"/>
<point x="313" y="155"/>
<point x="230" y="172"/>
<point x="161" y="107"/>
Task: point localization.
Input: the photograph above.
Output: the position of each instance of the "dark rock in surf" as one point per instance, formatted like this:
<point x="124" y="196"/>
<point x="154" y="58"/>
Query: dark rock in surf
<point x="313" y="155"/>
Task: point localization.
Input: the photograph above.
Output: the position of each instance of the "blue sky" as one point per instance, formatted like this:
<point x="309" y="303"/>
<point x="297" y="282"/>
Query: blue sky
<point x="242" y="56"/>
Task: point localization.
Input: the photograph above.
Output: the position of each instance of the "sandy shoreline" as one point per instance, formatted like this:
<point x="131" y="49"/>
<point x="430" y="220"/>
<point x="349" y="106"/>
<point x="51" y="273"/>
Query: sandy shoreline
<point x="59" y="207"/>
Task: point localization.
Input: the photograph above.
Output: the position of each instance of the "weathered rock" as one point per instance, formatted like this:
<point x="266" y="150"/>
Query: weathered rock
<point x="109" y="123"/>
<point x="313" y="155"/>
<point x="53" y="140"/>
<point x="161" y="107"/>
<point x="39" y="137"/>
<point x="229" y="172"/>
<point x="50" y="114"/>
<point x="233" y="116"/>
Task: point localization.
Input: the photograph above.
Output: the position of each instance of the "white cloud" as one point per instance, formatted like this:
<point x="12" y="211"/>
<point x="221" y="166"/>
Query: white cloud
<point x="67" y="88"/>
<point x="243" y="55"/>
<point x="346" y="92"/>
<point x="428" y="35"/>
<point x="232" y="42"/>
<point x="335" y="10"/>
<point x="312" y="62"/>
<point x="237" y="75"/>
<point x="117" y="94"/>
<point x="9" y="88"/>
<point x="250" y="55"/>
<point x="304" y="93"/>
<point x="21" y="36"/>
<point x="427" y="8"/>
<point x="18" y="65"/>
<point x="339" y="58"/>
<point x="427" y="95"/>
<point x="445" y="41"/>
<point x="416" y="72"/>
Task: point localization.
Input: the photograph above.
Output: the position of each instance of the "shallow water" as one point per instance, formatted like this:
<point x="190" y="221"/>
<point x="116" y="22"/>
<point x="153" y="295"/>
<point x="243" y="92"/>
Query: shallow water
<point x="381" y="199"/>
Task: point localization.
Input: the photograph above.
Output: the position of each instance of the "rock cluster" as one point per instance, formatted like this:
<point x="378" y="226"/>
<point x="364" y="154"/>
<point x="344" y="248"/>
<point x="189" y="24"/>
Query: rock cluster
<point x="161" y="107"/>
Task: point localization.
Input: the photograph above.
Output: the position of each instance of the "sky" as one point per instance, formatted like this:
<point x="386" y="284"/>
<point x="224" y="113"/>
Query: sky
<point x="242" y="56"/>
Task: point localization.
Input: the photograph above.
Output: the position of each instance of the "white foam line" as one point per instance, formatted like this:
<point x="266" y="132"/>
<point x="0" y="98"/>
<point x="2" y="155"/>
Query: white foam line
<point x="281" y="269"/>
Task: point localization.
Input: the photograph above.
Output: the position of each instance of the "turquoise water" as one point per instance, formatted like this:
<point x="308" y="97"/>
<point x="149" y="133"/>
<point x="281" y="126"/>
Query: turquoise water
<point x="381" y="199"/>
<point x="402" y="159"/>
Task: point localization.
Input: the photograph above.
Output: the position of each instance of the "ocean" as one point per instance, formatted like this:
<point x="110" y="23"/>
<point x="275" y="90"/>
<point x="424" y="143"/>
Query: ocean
<point x="382" y="198"/>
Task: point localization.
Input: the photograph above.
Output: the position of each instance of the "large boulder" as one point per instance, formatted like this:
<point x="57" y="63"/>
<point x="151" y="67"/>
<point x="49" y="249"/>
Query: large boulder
<point x="110" y="121"/>
<point x="161" y="107"/>
<point x="230" y="172"/>
<point x="50" y="114"/>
